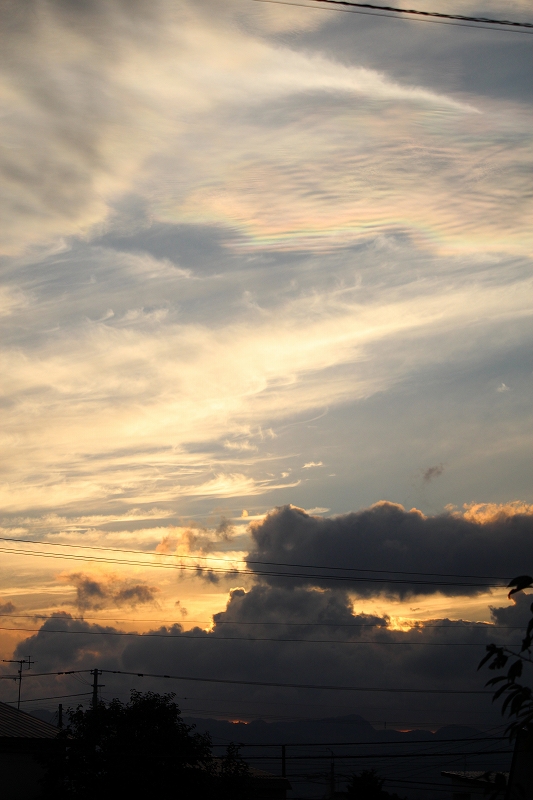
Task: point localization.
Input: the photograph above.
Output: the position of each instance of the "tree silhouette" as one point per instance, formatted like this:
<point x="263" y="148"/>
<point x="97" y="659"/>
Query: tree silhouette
<point x="518" y="698"/>
<point x="139" y="749"/>
<point x="367" y="785"/>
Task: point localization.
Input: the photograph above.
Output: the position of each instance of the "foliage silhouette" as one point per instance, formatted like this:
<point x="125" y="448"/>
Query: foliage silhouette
<point x="140" y="749"/>
<point x="518" y="698"/>
<point x="367" y="785"/>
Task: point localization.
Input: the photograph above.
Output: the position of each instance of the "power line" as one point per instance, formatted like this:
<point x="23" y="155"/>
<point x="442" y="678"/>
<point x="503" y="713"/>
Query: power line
<point x="394" y="781"/>
<point x="237" y="681"/>
<point x="391" y="15"/>
<point x="296" y="685"/>
<point x="249" y="561"/>
<point x="471" y="739"/>
<point x="255" y="683"/>
<point x="53" y="697"/>
<point x="253" y="573"/>
<point x="460" y="625"/>
<point x="328" y="757"/>
<point x="438" y="14"/>
<point x="43" y="674"/>
<point x="210" y="638"/>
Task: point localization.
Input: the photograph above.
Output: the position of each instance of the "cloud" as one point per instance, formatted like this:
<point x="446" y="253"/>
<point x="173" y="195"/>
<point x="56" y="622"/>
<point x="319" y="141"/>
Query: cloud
<point x="7" y="608"/>
<point x="496" y="512"/>
<point x="55" y="647"/>
<point x="113" y="169"/>
<point x="432" y="472"/>
<point x="196" y="538"/>
<point x="90" y="124"/>
<point x="204" y="381"/>
<point x="97" y="593"/>
<point x="312" y="464"/>
<point x="518" y="614"/>
<point x="240" y="446"/>
<point x="378" y="223"/>
<point x="336" y="646"/>
<point x="387" y="537"/>
<point x="503" y="388"/>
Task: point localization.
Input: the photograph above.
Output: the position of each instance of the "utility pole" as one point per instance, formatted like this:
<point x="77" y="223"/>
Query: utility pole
<point x="20" y="662"/>
<point x="283" y="762"/>
<point x="332" y="775"/>
<point x="95" y="673"/>
<point x="60" y="716"/>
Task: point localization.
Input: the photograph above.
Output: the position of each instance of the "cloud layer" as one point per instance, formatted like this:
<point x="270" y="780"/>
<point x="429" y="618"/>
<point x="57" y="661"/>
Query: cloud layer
<point x="254" y="256"/>
<point x="253" y="640"/>
<point x="432" y="552"/>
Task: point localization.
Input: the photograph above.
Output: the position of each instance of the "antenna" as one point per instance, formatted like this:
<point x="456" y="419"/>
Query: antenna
<point x="21" y="662"/>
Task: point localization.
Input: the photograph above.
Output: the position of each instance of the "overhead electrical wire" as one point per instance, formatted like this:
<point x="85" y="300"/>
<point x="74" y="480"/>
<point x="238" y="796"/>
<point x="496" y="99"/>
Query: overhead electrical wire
<point x="360" y="743"/>
<point x="53" y="697"/>
<point x="461" y="625"/>
<point x="437" y="14"/>
<point x="248" y="561"/>
<point x="239" y="682"/>
<point x="253" y="573"/>
<point x="487" y="24"/>
<point x="328" y="757"/>
<point x="210" y="638"/>
<point x="296" y="685"/>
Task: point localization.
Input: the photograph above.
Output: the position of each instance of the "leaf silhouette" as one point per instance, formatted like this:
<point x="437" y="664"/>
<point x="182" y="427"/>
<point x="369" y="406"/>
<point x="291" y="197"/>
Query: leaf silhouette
<point x="521" y="582"/>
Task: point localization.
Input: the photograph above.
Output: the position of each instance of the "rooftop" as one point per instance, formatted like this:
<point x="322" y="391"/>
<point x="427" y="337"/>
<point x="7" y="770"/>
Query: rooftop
<point x="477" y="776"/>
<point x="15" y="724"/>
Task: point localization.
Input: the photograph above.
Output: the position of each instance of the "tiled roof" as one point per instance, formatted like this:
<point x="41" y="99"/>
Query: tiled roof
<point x="16" y="724"/>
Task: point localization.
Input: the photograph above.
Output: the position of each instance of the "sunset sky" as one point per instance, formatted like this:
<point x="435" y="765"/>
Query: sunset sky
<point x="257" y="256"/>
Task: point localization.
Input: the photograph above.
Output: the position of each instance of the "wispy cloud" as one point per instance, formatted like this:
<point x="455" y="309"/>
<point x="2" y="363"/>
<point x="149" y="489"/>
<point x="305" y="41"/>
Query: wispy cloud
<point x="431" y="473"/>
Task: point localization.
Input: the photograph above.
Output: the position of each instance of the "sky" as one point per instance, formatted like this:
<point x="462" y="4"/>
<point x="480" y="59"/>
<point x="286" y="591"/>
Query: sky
<point x="265" y="297"/>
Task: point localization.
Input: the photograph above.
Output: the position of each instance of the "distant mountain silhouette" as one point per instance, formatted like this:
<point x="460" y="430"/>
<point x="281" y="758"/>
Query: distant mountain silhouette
<point x="348" y="728"/>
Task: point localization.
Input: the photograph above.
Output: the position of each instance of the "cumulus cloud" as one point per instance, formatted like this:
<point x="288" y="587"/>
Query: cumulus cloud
<point x="496" y="512"/>
<point x="65" y="640"/>
<point x="387" y="537"/>
<point x="7" y="608"/>
<point x="97" y="593"/>
<point x="253" y="640"/>
<point x="518" y="614"/>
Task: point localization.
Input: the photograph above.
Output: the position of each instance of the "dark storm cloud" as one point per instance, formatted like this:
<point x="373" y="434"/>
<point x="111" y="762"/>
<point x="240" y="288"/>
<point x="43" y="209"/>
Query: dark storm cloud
<point x="95" y="594"/>
<point x="386" y="537"/>
<point x="517" y="614"/>
<point x="280" y="605"/>
<point x="342" y="649"/>
<point x="64" y="640"/>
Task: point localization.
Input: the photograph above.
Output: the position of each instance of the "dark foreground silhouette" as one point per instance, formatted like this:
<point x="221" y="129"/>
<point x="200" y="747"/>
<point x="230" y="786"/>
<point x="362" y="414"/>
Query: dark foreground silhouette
<point x="140" y="749"/>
